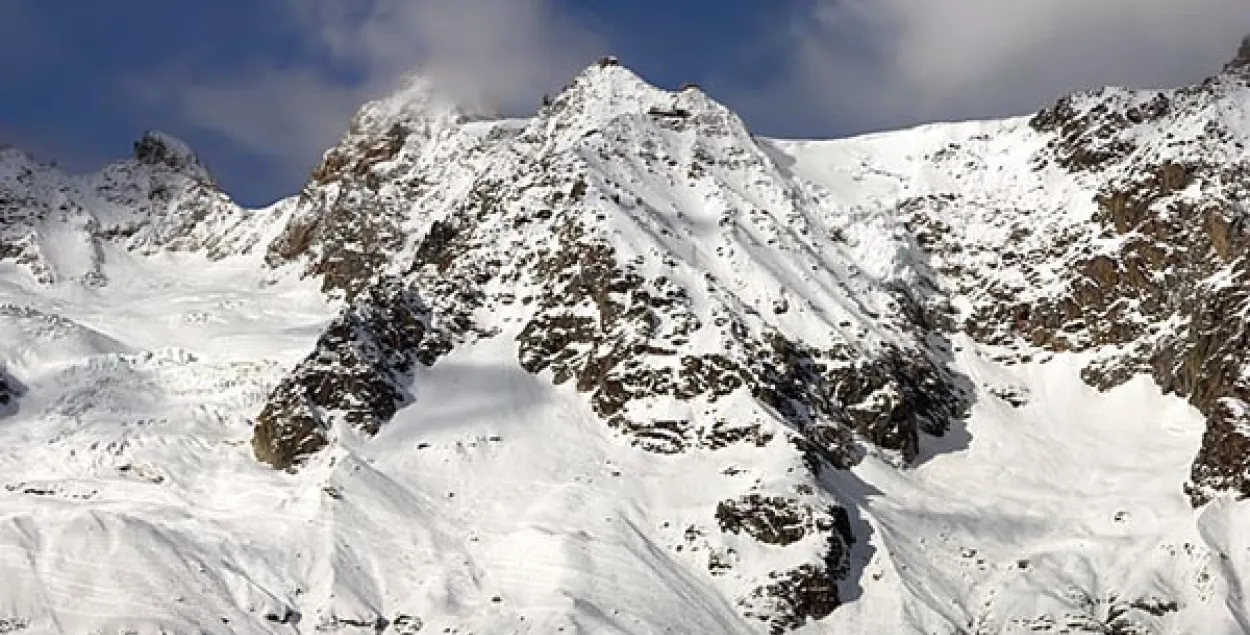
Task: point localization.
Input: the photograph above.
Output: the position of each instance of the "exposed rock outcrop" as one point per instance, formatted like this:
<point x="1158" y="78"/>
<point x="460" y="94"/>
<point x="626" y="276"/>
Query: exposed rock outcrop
<point x="1156" y="282"/>
<point x="1242" y="60"/>
<point x="162" y="199"/>
<point x="10" y="390"/>
<point x="791" y="598"/>
<point x="403" y="161"/>
<point x="161" y="150"/>
<point x="357" y="376"/>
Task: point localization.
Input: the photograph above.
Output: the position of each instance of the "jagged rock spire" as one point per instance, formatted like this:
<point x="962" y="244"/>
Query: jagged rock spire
<point x="158" y="149"/>
<point x="1242" y="60"/>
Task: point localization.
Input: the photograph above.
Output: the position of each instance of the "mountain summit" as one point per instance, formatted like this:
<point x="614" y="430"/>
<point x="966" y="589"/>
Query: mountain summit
<point x="159" y="149"/>
<point x="624" y="367"/>
<point x="1243" y="53"/>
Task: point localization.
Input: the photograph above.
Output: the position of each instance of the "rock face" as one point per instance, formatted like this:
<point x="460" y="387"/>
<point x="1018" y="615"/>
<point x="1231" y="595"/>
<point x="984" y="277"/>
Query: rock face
<point x="1243" y="54"/>
<point x="160" y="150"/>
<point x="10" y="390"/>
<point x="1147" y="270"/>
<point x="356" y="376"/>
<point x="402" y="161"/>
<point x="1156" y="280"/>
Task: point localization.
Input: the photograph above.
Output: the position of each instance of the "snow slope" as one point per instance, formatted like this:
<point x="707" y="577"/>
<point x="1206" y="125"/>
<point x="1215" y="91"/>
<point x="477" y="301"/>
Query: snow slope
<point x="1040" y="526"/>
<point x="854" y="447"/>
<point x="131" y="501"/>
<point x="1083" y="527"/>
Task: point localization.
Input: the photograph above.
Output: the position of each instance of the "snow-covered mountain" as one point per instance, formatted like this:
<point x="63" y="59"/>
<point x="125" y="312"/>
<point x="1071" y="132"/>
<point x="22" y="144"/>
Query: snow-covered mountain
<point x="623" y="367"/>
<point x="55" y="226"/>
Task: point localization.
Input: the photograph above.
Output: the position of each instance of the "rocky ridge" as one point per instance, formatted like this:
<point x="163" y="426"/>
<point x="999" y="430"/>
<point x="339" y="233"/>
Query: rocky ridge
<point x="1150" y="275"/>
<point x="403" y="160"/>
<point x="667" y="342"/>
<point x="357" y="376"/>
<point x="57" y="226"/>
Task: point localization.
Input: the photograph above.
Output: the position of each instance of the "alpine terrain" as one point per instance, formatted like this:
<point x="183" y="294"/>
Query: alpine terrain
<point x="623" y="367"/>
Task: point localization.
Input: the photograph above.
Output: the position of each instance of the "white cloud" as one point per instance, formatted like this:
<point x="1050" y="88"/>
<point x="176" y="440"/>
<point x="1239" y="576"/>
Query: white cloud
<point x="487" y="54"/>
<point x="289" y="116"/>
<point x="874" y="63"/>
<point x="493" y="53"/>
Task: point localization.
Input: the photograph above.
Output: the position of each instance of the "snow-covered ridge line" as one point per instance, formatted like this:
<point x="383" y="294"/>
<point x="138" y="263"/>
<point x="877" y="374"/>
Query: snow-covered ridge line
<point x="623" y="367"/>
<point x="58" y="227"/>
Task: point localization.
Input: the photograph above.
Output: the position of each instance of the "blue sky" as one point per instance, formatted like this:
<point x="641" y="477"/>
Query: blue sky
<point x="260" y="87"/>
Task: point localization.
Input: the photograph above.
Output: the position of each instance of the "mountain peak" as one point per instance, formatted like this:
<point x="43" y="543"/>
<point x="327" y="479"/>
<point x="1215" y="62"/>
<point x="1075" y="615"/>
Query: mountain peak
<point x="608" y="71"/>
<point x="610" y="87"/>
<point x="1242" y="60"/>
<point x="415" y="101"/>
<point x="415" y="113"/>
<point x="156" y="148"/>
<point x="608" y="90"/>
